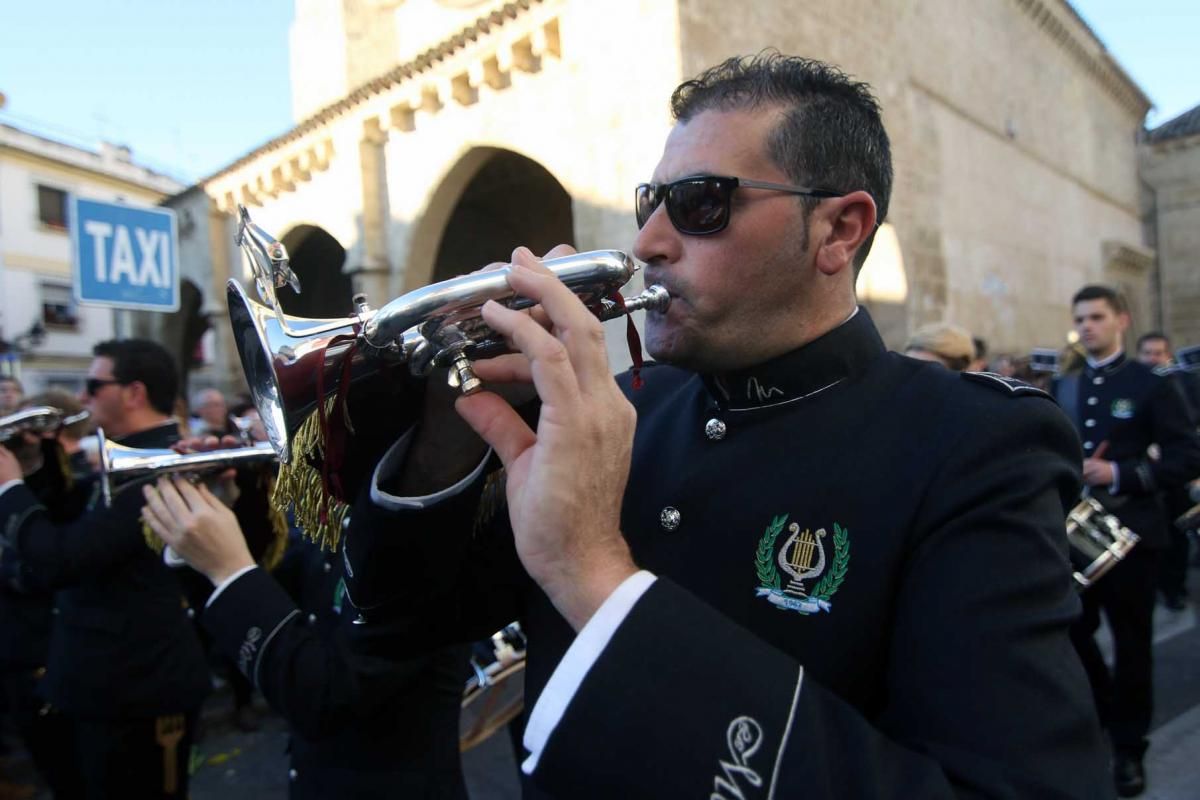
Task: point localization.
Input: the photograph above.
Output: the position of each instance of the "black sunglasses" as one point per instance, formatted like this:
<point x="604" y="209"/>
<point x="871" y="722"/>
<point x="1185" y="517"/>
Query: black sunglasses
<point x="699" y="205"/>
<point x="94" y="385"/>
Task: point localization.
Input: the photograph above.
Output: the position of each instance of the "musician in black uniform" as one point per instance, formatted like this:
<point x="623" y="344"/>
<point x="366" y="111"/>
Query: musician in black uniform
<point x="125" y="664"/>
<point x="1121" y="408"/>
<point x="815" y="568"/>
<point x="25" y="610"/>
<point x="364" y="725"/>
<point x="1154" y="350"/>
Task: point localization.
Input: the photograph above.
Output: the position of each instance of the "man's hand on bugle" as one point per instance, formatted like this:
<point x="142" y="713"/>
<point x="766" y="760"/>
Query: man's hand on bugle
<point x="197" y="526"/>
<point x="565" y="481"/>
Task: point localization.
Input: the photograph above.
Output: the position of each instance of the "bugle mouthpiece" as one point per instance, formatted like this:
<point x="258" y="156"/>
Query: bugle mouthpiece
<point x="653" y="298"/>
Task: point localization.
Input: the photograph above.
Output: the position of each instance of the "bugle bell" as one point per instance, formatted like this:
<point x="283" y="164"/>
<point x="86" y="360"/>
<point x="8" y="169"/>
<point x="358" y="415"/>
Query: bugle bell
<point x="294" y="364"/>
<point x="122" y="466"/>
<point x="37" y="419"/>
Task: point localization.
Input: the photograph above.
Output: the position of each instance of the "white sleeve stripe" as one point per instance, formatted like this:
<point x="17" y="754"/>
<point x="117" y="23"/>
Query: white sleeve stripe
<point x="392" y="461"/>
<point x="577" y="662"/>
<point x="786" y="732"/>
<point x="262" y="651"/>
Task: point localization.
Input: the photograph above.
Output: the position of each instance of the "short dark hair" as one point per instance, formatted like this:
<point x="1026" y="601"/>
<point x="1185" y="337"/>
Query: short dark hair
<point x="832" y="135"/>
<point x="145" y="361"/>
<point x="1097" y="292"/>
<point x="1152" y="336"/>
<point x="13" y="379"/>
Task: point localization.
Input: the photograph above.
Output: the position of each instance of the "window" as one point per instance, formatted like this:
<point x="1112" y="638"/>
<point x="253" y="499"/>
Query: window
<point x="52" y="207"/>
<point x="58" y="307"/>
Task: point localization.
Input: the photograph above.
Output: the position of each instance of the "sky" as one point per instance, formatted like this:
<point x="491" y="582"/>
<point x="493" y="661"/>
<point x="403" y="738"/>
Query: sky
<point x="191" y="85"/>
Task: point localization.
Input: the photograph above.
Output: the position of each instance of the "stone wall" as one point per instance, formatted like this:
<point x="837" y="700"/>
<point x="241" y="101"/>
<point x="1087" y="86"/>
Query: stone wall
<point x="1013" y="136"/>
<point x="1013" y="140"/>
<point x="1172" y="171"/>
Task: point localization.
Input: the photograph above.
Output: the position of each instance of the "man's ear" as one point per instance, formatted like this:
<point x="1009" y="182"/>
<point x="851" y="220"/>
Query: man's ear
<point x="1124" y="321"/>
<point x="137" y="396"/>
<point x="851" y="221"/>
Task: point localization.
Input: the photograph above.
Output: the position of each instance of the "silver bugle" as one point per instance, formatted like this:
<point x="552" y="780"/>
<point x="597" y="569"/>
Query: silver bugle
<point x="121" y="465"/>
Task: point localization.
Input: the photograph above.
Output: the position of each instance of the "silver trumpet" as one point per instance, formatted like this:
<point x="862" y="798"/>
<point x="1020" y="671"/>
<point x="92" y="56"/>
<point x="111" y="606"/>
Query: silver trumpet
<point x="285" y="358"/>
<point x="122" y="466"/>
<point x="37" y="419"/>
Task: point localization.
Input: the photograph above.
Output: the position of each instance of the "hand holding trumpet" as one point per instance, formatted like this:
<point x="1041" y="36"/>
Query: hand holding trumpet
<point x="196" y="521"/>
<point x="197" y="526"/>
<point x="566" y="480"/>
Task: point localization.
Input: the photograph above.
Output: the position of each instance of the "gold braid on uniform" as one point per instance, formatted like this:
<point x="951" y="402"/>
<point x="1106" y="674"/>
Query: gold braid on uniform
<point x="152" y="541"/>
<point x="299" y="486"/>
<point x="64" y="466"/>
<point x="491" y="500"/>
<point x="279" y="531"/>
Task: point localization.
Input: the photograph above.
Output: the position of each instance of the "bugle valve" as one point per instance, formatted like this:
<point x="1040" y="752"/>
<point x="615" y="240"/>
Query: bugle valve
<point x="293" y="365"/>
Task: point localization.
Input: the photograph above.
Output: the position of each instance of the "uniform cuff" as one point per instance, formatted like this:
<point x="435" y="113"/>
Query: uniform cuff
<point x="390" y="465"/>
<point x="579" y="658"/>
<point x="227" y="583"/>
<point x="250" y="613"/>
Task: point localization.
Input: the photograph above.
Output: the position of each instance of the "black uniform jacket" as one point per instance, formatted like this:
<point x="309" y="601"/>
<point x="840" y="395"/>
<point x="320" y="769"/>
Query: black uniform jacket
<point x="863" y="590"/>
<point x="1127" y="405"/>
<point x="362" y="727"/>
<point x="1188" y="384"/>
<point x="25" y="609"/>
<point x="122" y="645"/>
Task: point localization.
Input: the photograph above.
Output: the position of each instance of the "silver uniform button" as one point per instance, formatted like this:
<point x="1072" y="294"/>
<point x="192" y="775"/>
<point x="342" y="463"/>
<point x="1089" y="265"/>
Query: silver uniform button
<point x="1090" y="423"/>
<point x="669" y="518"/>
<point x="1092" y="401"/>
<point x="292" y="774"/>
<point x="1088" y="445"/>
<point x="715" y="429"/>
<point x="312" y="619"/>
<point x="1099" y="379"/>
<point x="327" y="566"/>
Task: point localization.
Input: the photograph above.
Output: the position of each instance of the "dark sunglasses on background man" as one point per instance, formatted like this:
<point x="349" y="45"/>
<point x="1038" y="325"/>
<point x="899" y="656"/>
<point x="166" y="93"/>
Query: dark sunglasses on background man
<point x="699" y="205"/>
<point x="94" y="385"/>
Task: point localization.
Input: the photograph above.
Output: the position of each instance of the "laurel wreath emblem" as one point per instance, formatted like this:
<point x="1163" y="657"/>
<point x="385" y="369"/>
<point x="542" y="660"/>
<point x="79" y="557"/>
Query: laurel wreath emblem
<point x="834" y="576"/>
<point x="764" y="557"/>
<point x="768" y="574"/>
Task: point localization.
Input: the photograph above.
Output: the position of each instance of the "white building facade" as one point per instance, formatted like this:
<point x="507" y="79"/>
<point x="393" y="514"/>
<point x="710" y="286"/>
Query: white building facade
<point x="47" y="336"/>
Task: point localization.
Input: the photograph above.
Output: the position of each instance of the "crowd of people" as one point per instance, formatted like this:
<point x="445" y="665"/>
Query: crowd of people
<point x="778" y="556"/>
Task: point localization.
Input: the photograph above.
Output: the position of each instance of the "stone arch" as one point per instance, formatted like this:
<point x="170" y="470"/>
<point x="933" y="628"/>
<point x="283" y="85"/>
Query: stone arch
<point x="489" y="202"/>
<point x="317" y="259"/>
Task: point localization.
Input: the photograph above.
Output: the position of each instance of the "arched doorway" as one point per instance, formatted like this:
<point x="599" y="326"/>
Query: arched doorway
<point x="317" y="259"/>
<point x="511" y="201"/>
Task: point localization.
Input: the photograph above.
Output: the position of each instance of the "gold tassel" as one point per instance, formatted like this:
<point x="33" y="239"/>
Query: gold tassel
<point x="279" y="532"/>
<point x="64" y="467"/>
<point x="152" y="541"/>
<point x="491" y="500"/>
<point x="300" y="488"/>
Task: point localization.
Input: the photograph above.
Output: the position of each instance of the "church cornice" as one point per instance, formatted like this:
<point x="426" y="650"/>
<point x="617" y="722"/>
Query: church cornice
<point x="430" y="92"/>
<point x="1087" y="51"/>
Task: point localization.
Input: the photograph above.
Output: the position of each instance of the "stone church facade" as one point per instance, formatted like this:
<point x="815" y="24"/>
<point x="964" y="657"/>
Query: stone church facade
<point x="433" y="136"/>
<point x="1171" y="171"/>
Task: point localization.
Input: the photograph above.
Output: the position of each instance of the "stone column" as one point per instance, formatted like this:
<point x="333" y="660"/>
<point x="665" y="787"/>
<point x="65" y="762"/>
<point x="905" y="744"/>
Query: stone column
<point x="226" y="365"/>
<point x="371" y="275"/>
